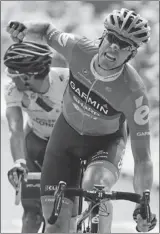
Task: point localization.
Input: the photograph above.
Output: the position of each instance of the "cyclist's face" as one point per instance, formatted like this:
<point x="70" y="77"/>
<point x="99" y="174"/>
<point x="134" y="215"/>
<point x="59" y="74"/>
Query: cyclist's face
<point x="113" y="51"/>
<point x="26" y="82"/>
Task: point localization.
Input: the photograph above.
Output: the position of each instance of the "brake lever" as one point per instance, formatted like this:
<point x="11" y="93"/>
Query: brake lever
<point x="58" y="196"/>
<point x="145" y="207"/>
<point x="18" y="191"/>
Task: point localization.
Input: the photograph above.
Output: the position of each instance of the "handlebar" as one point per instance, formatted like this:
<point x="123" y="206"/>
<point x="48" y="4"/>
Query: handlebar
<point x="97" y="194"/>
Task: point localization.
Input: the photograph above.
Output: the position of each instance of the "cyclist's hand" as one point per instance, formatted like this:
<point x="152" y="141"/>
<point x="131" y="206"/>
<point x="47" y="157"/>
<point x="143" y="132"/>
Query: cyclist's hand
<point x="142" y="224"/>
<point x="19" y="169"/>
<point x="16" y="30"/>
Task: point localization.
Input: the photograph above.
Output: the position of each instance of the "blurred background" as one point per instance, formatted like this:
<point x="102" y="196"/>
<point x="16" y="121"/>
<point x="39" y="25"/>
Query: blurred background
<point x="84" y="18"/>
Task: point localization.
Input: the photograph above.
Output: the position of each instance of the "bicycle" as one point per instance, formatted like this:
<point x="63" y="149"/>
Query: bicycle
<point x="87" y="220"/>
<point x="95" y="196"/>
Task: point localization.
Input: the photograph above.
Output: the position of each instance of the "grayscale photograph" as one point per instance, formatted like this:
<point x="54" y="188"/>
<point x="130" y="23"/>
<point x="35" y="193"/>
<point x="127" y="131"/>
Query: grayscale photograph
<point x="79" y="117"/>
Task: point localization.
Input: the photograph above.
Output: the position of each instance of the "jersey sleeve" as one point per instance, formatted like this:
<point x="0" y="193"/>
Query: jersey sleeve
<point x="12" y="96"/>
<point x="60" y="75"/>
<point x="62" y="42"/>
<point x="63" y="74"/>
<point x="136" y="109"/>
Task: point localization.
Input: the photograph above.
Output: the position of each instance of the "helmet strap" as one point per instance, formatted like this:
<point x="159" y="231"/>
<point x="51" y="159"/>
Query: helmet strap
<point x="134" y="52"/>
<point x="102" y="37"/>
<point x="132" y="55"/>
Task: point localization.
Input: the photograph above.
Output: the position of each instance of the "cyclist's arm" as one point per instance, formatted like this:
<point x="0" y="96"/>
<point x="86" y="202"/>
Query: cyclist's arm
<point x="15" y="123"/>
<point x="60" y="41"/>
<point x="136" y="110"/>
<point x="15" y="120"/>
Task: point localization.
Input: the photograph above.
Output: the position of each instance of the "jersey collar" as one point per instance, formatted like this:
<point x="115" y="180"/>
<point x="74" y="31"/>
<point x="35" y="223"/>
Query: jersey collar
<point x="102" y="78"/>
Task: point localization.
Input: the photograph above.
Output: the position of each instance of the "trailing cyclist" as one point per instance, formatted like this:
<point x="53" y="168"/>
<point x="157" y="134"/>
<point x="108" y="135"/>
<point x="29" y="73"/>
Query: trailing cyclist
<point x="104" y="93"/>
<point x="36" y="89"/>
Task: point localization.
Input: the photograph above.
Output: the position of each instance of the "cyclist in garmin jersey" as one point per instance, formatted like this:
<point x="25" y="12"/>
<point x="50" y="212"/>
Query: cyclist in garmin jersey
<point x="104" y="93"/>
<point x="36" y="89"/>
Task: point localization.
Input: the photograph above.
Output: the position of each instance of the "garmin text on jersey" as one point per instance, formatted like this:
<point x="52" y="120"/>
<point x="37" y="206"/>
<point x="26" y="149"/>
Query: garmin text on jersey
<point x="89" y="100"/>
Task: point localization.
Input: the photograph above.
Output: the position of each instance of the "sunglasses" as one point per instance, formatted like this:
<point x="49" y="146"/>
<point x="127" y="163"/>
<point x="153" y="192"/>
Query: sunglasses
<point x="123" y="45"/>
<point x="22" y="76"/>
<point x="14" y="75"/>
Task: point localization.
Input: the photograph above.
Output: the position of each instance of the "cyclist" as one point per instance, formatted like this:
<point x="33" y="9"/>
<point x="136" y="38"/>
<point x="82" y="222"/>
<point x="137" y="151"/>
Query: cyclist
<point x="104" y="93"/>
<point x="36" y="89"/>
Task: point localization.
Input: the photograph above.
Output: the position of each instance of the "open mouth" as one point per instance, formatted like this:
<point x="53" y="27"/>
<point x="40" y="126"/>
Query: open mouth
<point x="109" y="57"/>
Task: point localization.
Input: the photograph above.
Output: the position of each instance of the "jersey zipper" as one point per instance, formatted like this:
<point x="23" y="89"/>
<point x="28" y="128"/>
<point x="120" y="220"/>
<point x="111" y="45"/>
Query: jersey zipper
<point x="91" y="88"/>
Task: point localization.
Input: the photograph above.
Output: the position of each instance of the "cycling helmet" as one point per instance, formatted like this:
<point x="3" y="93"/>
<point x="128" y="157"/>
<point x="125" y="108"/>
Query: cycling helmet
<point x="28" y="57"/>
<point x="129" y="25"/>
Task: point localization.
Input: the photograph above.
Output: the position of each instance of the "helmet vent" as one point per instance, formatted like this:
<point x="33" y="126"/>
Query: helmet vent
<point x="119" y="21"/>
<point x="128" y="23"/>
<point x="112" y="19"/>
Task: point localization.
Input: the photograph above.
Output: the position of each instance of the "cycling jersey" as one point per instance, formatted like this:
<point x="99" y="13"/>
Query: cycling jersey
<point x="42" y="109"/>
<point x="100" y="106"/>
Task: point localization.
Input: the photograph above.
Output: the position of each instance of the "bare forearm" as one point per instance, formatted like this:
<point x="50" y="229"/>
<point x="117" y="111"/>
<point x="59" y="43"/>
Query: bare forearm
<point x="17" y="145"/>
<point x="36" y="30"/>
<point x="143" y="176"/>
<point x="41" y="32"/>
